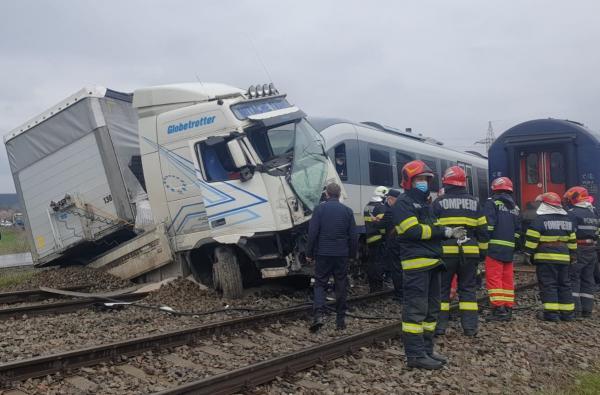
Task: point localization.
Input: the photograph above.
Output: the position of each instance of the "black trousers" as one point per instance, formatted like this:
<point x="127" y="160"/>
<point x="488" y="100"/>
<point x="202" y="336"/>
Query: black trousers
<point x="420" y="310"/>
<point x="582" y="278"/>
<point x="324" y="268"/>
<point x="375" y="265"/>
<point x="555" y="289"/>
<point x="466" y="271"/>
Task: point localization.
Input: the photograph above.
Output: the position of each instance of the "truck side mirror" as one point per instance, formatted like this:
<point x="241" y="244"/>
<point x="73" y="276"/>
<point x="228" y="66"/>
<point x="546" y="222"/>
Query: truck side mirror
<point x="235" y="150"/>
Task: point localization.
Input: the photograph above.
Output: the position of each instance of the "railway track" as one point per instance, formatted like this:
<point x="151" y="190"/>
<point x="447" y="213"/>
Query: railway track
<point x="61" y="306"/>
<point x="34" y="295"/>
<point x="263" y="372"/>
<point x="54" y="363"/>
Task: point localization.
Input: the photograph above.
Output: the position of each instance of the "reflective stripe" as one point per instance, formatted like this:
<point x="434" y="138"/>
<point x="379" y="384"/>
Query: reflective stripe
<point x="531" y="244"/>
<point x="501" y="291"/>
<point x="552" y="257"/>
<point x="551" y="306"/>
<point x="490" y="227"/>
<point x="502" y="243"/>
<point x="373" y="239"/>
<point x="554" y="238"/>
<point x="517" y="236"/>
<point x="418" y="263"/>
<point x="469" y="306"/>
<point x="429" y="326"/>
<point x="426" y="232"/>
<point x="483" y="246"/>
<point x="369" y="219"/>
<point x="409" y="327"/>
<point x="588" y="296"/>
<point x="533" y="233"/>
<point x="587" y="227"/>
<point x="406" y="224"/>
<point x="458" y="221"/>
<point x="481" y="220"/>
<point x="502" y="298"/>
<point x="455" y="249"/>
<point x="445" y="306"/>
<point x="566" y="306"/>
<point x="379" y="216"/>
<point x="572" y="246"/>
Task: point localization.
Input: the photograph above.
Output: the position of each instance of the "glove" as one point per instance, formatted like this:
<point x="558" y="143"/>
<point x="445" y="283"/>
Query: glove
<point x="455" y="233"/>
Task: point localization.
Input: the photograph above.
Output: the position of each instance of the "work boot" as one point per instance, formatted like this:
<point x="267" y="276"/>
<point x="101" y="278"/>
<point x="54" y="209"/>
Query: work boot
<point x="470" y="332"/>
<point x="340" y="323"/>
<point x="586" y="314"/>
<point x="425" y="362"/>
<point x="438" y="357"/>
<point x="498" y="314"/>
<point x="439" y="332"/>
<point x="541" y="315"/>
<point x="316" y="324"/>
<point x="567" y="317"/>
<point x="509" y="312"/>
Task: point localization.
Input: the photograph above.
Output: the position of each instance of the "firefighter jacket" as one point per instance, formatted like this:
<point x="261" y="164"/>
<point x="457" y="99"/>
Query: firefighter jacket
<point x="504" y="226"/>
<point x="458" y="208"/>
<point x="587" y="221"/>
<point x="417" y="238"/>
<point x="372" y="214"/>
<point x="551" y="237"/>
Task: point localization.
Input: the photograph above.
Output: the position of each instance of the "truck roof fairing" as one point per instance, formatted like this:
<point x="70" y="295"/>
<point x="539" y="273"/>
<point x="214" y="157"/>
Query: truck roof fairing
<point x="183" y="93"/>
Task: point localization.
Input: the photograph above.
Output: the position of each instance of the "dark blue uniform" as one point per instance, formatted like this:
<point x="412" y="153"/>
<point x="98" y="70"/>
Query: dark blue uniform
<point x="391" y="253"/>
<point x="418" y="242"/>
<point x="332" y="238"/>
<point x="373" y="214"/>
<point x="582" y="271"/>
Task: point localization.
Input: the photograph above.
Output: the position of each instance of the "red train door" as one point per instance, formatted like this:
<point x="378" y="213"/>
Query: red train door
<point x="541" y="172"/>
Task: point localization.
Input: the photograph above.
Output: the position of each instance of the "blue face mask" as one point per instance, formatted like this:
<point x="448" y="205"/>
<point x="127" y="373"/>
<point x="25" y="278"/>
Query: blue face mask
<point x="422" y="186"/>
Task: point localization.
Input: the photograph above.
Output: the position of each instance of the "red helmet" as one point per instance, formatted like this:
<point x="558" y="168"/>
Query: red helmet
<point x="455" y="175"/>
<point x="576" y="195"/>
<point x="552" y="199"/>
<point x="411" y="170"/>
<point x="502" y="184"/>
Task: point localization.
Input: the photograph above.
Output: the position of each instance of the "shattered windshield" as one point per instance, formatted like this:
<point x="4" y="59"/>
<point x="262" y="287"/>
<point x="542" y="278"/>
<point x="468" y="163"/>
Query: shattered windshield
<point x="299" y="143"/>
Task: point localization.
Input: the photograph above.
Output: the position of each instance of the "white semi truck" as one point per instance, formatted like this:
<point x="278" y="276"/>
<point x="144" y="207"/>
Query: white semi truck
<point x="232" y="177"/>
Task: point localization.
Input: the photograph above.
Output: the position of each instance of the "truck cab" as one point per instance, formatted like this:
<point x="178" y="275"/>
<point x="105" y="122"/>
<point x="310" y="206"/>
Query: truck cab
<point x="234" y="176"/>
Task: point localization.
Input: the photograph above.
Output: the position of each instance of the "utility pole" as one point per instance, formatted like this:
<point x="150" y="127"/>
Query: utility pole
<point x="489" y="138"/>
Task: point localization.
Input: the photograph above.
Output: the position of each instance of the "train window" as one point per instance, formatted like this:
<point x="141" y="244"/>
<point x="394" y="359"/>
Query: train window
<point x="402" y="158"/>
<point x="340" y="162"/>
<point x="380" y="168"/>
<point x="482" y="183"/>
<point x="432" y="163"/>
<point x="532" y="169"/>
<point x="557" y="168"/>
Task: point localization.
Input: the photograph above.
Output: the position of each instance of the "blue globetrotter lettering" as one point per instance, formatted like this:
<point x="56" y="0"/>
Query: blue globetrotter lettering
<point x="183" y="126"/>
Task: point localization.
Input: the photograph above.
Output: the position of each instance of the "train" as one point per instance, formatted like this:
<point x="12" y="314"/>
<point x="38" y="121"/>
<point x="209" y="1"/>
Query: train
<point x="546" y="155"/>
<point x="369" y="154"/>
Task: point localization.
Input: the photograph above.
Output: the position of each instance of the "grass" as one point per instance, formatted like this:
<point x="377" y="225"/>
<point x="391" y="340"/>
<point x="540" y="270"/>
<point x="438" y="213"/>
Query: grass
<point x="13" y="241"/>
<point x="9" y="278"/>
<point x="587" y="383"/>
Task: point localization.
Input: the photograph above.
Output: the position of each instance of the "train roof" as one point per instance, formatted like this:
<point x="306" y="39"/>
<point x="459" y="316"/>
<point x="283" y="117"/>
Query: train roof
<point x="545" y="129"/>
<point x="432" y="145"/>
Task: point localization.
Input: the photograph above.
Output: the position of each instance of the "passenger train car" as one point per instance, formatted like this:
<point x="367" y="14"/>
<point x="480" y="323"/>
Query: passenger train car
<point x="368" y="154"/>
<point x="546" y="155"/>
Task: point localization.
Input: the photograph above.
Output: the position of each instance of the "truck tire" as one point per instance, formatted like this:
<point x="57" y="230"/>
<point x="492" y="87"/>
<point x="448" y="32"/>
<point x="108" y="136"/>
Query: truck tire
<point x="227" y="276"/>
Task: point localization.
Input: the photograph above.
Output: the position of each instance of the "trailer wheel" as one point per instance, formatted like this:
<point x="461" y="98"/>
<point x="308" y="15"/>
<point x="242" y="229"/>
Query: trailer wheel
<point x="227" y="276"/>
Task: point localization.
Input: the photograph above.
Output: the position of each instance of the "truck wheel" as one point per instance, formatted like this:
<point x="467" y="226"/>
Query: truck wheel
<point x="227" y="276"/>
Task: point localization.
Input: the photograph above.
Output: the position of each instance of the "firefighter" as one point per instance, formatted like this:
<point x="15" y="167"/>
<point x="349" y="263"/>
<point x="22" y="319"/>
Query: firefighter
<point x="459" y="208"/>
<point x="391" y="252"/>
<point x="504" y="227"/>
<point x="551" y="240"/>
<point x="373" y="213"/>
<point x="581" y="272"/>
<point x="418" y="239"/>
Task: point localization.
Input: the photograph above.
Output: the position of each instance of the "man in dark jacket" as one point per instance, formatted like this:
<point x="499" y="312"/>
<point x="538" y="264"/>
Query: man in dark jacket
<point x="391" y="251"/>
<point x="418" y="239"/>
<point x="332" y="239"/>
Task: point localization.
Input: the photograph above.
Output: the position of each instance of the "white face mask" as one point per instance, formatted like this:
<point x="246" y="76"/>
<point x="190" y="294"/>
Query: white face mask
<point x="340" y="162"/>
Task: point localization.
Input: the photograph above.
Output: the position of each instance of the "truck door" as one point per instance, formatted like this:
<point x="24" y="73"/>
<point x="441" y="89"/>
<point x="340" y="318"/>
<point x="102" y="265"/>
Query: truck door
<point x="541" y="172"/>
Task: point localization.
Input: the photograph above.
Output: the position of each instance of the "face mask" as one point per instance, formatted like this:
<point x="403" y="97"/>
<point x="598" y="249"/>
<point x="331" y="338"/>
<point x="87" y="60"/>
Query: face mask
<point x="422" y="186"/>
<point x="339" y="162"/>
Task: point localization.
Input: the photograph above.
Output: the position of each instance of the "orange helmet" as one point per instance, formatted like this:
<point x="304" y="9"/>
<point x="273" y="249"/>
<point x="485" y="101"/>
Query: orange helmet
<point x="455" y="175"/>
<point x="411" y="170"/>
<point x="576" y="195"/>
<point x="502" y="184"/>
<point x="552" y="199"/>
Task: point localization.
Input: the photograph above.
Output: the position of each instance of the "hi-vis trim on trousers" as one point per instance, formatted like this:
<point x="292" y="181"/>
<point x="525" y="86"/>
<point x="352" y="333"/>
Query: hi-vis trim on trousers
<point x="410" y="327"/>
<point x="418" y="263"/>
<point x="559" y="306"/>
<point x="545" y="256"/>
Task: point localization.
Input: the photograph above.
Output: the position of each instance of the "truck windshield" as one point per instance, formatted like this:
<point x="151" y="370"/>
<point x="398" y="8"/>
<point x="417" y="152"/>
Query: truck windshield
<point x="299" y="143"/>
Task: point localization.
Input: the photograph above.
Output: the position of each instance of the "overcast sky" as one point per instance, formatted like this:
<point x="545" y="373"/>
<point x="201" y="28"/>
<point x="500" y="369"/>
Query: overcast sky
<point x="444" y="68"/>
